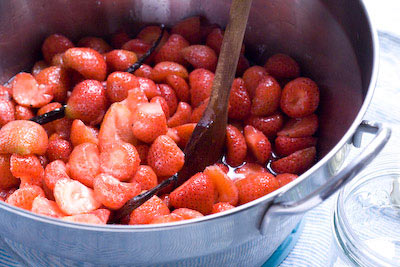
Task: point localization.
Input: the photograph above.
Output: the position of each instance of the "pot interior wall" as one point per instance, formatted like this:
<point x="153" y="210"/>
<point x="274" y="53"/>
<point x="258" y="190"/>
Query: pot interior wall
<point x="330" y="39"/>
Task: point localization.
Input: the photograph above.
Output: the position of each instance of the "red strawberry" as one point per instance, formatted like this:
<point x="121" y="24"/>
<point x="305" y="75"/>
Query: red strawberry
<point x="83" y="218"/>
<point x="187" y="214"/>
<point x="285" y="146"/>
<point x="282" y="66"/>
<point x="7" y="111"/>
<point x="88" y="102"/>
<point x="302" y="127"/>
<point x="152" y="208"/>
<point x="189" y="28"/>
<point x="167" y="218"/>
<point x="119" y="38"/>
<point x="221" y="206"/>
<point x="146" y="177"/>
<point x="138" y="46"/>
<point x="266" y="98"/>
<point x="43" y="206"/>
<point x="7" y="179"/>
<point x="28" y="93"/>
<point x="165" y="157"/>
<point x="59" y="149"/>
<point x="269" y="125"/>
<point x="197" y="113"/>
<point x="227" y="191"/>
<point x="255" y="186"/>
<point x="54" y="172"/>
<point x="149" y="122"/>
<point x="27" y="168"/>
<point x="118" y="85"/>
<point x="235" y="145"/>
<point x="173" y="134"/>
<point x="55" y="44"/>
<point x="285" y="178"/>
<point x="200" y="56"/>
<point x="112" y="193"/>
<point x="38" y="67"/>
<point x="57" y="78"/>
<point x="121" y="161"/>
<point x="214" y="40"/>
<point x="247" y="169"/>
<point x="170" y="51"/>
<point x="163" y="103"/>
<point x="223" y="167"/>
<point x="258" y="144"/>
<point x="95" y="43"/>
<point x="5" y="193"/>
<point x="136" y="97"/>
<point x="84" y="163"/>
<point x="144" y="71"/>
<point x="165" y="68"/>
<point x="24" y="197"/>
<point x="120" y="60"/>
<point x="23" y="137"/>
<point x="6" y="92"/>
<point x="242" y="66"/>
<point x="296" y="163"/>
<point x="169" y="95"/>
<point x="184" y="132"/>
<point x="142" y="150"/>
<point x="80" y="133"/>
<point x="148" y="87"/>
<point x="150" y="34"/>
<point x="180" y="87"/>
<point x="86" y="61"/>
<point x="197" y="193"/>
<point x="102" y="214"/>
<point x="181" y="116"/>
<point x="300" y="98"/>
<point x="165" y="198"/>
<point x="239" y="101"/>
<point x="23" y="113"/>
<point x="252" y="78"/>
<point x="200" y="81"/>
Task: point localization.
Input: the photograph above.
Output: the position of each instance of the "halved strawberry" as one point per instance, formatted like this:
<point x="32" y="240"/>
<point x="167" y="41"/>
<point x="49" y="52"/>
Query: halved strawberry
<point x="269" y="125"/>
<point x="83" y="218"/>
<point x="187" y="214"/>
<point x="180" y="87"/>
<point x="252" y="78"/>
<point x="102" y="214"/>
<point x="285" y="178"/>
<point x="120" y="60"/>
<point x="169" y="95"/>
<point x="149" y="88"/>
<point x="239" y="101"/>
<point x="221" y="206"/>
<point x="184" y="132"/>
<point x="143" y="150"/>
<point x="137" y="46"/>
<point x="197" y="112"/>
<point x="118" y="85"/>
<point x="150" y="34"/>
<point x="235" y="145"/>
<point x="258" y="144"/>
<point x="200" y="56"/>
<point x="146" y="177"/>
<point x="112" y="193"/>
<point x="189" y="28"/>
<point x="285" y="146"/>
<point x="80" y="133"/>
<point x="24" y="197"/>
<point x="167" y="218"/>
<point x="170" y="51"/>
<point x="7" y="180"/>
<point x="246" y="170"/>
<point x="296" y="163"/>
<point x="227" y="191"/>
<point x="255" y="186"/>
<point x="165" y="157"/>
<point x="197" y="193"/>
<point x="149" y="122"/>
<point x="23" y="113"/>
<point x="182" y="115"/>
<point x="266" y="98"/>
<point x="27" y="91"/>
<point x="74" y="198"/>
<point x="84" y="163"/>
<point x="57" y="79"/>
<point x="7" y="111"/>
<point x="55" y="44"/>
<point x="165" y="68"/>
<point x="300" y="98"/>
<point x="43" y="206"/>
<point x="282" y="66"/>
<point x="163" y="103"/>
<point x="95" y="43"/>
<point x="27" y="168"/>
<point x="200" y="81"/>
<point x="302" y="127"/>
<point x="54" y="172"/>
<point x="38" y="67"/>
<point x="172" y="133"/>
<point x="152" y="208"/>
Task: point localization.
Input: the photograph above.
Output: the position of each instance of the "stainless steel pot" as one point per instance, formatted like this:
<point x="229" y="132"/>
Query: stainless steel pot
<point x="336" y="46"/>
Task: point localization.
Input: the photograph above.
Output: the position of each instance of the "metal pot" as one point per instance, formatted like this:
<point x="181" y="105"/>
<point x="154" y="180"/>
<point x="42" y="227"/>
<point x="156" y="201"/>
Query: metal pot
<point x="336" y="46"/>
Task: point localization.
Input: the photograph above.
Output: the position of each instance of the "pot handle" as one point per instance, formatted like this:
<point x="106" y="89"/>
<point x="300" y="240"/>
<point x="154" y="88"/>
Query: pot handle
<point x="382" y="135"/>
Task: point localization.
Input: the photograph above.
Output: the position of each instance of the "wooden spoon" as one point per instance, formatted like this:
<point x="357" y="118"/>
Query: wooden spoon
<point x="205" y="145"/>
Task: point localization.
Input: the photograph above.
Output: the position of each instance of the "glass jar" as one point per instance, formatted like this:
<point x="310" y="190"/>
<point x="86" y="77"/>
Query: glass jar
<point x="366" y="219"/>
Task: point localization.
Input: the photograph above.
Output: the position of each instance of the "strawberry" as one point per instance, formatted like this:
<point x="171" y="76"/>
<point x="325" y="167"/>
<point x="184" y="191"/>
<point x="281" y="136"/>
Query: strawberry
<point x="247" y="169"/>
<point x="149" y="122"/>
<point x="184" y="132"/>
<point x="23" y="113"/>
<point x="239" y="101"/>
<point x="269" y="125"/>
<point x="121" y="161"/>
<point x="285" y="146"/>
<point x="150" y="34"/>
<point x="112" y="193"/>
<point x="7" y="179"/>
<point x="169" y="95"/>
<point x="165" y="68"/>
<point x="59" y="149"/>
<point x="142" y="150"/>
<point x="296" y="163"/>
<point x="181" y="116"/>
<point x="197" y="193"/>
<point x="74" y="198"/>
<point x="200" y="56"/>
<point x="300" y="98"/>
<point x="55" y="44"/>
<point x="50" y="126"/>
<point x="120" y="60"/>
<point x="88" y="102"/>
<point x="189" y="28"/>
<point x="221" y="206"/>
<point x="302" y="127"/>
<point x="54" y="172"/>
<point x="180" y="87"/>
<point x="167" y="201"/>
<point x="57" y="79"/>
<point x="95" y="43"/>
<point x="282" y="66"/>
<point x="136" y="97"/>
<point x="152" y="208"/>
<point x="24" y="197"/>
<point x="38" y="67"/>
<point x="187" y="214"/>
<point x="255" y="186"/>
<point x="197" y="113"/>
<point x="58" y="61"/>
<point x="27" y="168"/>
<point x="167" y="218"/>
<point x="266" y="98"/>
<point x="227" y="191"/>
<point x="165" y="157"/>
<point x="163" y="103"/>
<point x="242" y="66"/>
<point x="258" y="144"/>
<point x="146" y="177"/>
<point x="148" y="87"/>
<point x="5" y="193"/>
<point x="173" y="134"/>
<point x="137" y="46"/>
<point x="285" y="178"/>
<point x="170" y="51"/>
<point x="214" y="40"/>
<point x="118" y="85"/>
<point x="43" y="206"/>
<point x="200" y="81"/>
<point x="252" y="78"/>
<point x="28" y="93"/>
<point x="102" y="214"/>
<point x="87" y="62"/>
<point x="84" y="163"/>
<point x="119" y="38"/>
<point x="83" y="218"/>
<point x="144" y="71"/>
<point x="23" y="137"/>
<point x="7" y="111"/>
<point x="80" y="133"/>
<point x="235" y="145"/>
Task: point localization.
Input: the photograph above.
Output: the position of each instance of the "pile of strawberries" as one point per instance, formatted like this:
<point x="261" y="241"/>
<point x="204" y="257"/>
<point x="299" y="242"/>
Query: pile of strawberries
<point x="124" y="133"/>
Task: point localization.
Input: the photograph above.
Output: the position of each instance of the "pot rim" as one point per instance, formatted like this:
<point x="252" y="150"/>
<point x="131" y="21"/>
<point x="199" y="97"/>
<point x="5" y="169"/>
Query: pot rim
<point x="266" y="198"/>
